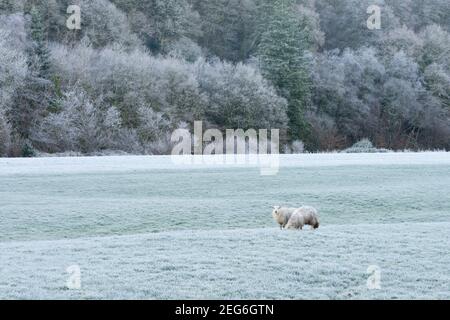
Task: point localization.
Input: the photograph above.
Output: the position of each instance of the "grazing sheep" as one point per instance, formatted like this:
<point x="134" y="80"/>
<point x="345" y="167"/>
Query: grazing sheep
<point x="282" y="215"/>
<point x="303" y="216"/>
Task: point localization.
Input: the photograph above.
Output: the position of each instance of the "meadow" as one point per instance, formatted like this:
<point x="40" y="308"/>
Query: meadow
<point x="143" y="228"/>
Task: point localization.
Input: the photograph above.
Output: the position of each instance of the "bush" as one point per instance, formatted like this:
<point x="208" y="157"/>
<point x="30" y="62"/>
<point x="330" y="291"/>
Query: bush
<point x="28" y="150"/>
<point x="364" y="146"/>
<point x="295" y="147"/>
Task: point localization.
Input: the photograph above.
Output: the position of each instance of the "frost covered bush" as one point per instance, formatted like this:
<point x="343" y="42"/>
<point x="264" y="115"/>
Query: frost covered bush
<point x="363" y="146"/>
<point x="298" y="146"/>
<point x="295" y="147"/>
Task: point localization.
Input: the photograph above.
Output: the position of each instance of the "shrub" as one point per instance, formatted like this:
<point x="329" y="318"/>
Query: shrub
<point x="363" y="146"/>
<point x="28" y="150"/>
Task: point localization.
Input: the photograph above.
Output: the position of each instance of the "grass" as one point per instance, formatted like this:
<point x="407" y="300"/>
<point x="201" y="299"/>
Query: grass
<point x="159" y="232"/>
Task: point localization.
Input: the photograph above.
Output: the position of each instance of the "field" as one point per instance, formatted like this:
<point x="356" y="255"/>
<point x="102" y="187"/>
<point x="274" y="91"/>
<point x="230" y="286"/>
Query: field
<point x="143" y="228"/>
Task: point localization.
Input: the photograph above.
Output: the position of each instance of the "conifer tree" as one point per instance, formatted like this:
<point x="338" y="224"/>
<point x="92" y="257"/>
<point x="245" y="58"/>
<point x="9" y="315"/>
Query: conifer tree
<point x="39" y="46"/>
<point x="282" y="56"/>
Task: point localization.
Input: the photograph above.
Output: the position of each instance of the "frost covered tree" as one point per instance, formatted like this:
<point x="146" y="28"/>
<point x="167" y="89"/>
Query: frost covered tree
<point x="13" y="73"/>
<point x="80" y="125"/>
<point x="161" y="23"/>
<point x="402" y="103"/>
<point x="437" y="80"/>
<point x="239" y="97"/>
<point x="436" y="46"/>
<point x="183" y="91"/>
<point x="140" y="69"/>
<point x="346" y="88"/>
<point x="360" y="94"/>
<point x="103" y="23"/>
<point x="345" y="22"/>
<point x="13" y="67"/>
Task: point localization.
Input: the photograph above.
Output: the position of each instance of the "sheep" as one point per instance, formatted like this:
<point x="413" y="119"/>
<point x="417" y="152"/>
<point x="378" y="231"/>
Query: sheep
<point x="282" y="215"/>
<point x="303" y="216"/>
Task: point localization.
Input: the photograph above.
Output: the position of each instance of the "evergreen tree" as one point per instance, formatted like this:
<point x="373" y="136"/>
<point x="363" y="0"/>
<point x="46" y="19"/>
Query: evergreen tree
<point x="283" y="61"/>
<point x="39" y="45"/>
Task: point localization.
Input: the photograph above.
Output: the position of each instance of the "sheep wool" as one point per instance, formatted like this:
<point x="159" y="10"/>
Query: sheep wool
<point x="303" y="216"/>
<point x="282" y="215"/>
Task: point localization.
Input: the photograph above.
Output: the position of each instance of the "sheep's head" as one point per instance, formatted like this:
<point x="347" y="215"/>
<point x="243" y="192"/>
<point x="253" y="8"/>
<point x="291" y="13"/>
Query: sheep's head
<point x="276" y="212"/>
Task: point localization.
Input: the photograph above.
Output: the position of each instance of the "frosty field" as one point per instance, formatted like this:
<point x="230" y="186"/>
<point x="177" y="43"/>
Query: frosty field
<point x="140" y="227"/>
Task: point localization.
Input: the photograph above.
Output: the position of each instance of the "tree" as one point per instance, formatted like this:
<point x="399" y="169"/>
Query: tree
<point x="161" y="23"/>
<point x="436" y="47"/>
<point x="105" y="24"/>
<point x="437" y="81"/>
<point x="39" y="44"/>
<point x="284" y="62"/>
<point x="346" y="93"/>
<point x="345" y="22"/>
<point x="13" y="67"/>
<point x="228" y="27"/>
<point x="13" y="74"/>
<point x="239" y="97"/>
<point x="309" y="67"/>
<point x="80" y="125"/>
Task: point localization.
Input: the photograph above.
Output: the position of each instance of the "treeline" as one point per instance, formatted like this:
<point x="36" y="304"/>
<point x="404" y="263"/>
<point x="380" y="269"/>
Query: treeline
<point x="137" y="70"/>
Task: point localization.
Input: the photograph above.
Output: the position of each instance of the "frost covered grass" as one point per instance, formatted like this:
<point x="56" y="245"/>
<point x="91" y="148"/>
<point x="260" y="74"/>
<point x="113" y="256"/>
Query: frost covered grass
<point x="139" y="227"/>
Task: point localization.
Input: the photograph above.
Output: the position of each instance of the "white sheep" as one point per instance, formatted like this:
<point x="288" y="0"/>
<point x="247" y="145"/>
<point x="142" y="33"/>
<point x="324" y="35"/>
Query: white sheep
<point x="303" y="216"/>
<point x="282" y="215"/>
